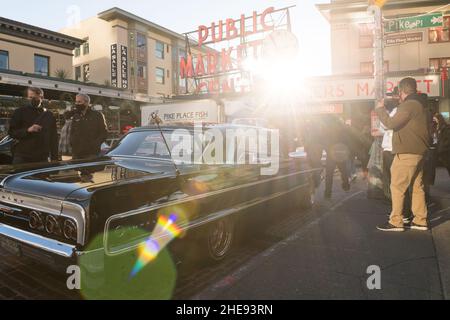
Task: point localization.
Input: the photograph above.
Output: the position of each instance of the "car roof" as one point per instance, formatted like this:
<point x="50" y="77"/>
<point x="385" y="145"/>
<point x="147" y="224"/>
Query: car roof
<point x="191" y="127"/>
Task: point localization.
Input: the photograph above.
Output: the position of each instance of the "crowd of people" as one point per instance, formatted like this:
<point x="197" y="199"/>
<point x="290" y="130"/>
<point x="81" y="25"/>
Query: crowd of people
<point x="34" y="131"/>
<point x="415" y="141"/>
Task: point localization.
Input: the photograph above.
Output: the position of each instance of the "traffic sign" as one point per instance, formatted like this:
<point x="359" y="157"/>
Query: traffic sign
<point x="413" y="23"/>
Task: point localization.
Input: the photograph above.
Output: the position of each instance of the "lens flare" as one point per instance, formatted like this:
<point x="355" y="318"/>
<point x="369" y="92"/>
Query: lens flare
<point x="165" y="231"/>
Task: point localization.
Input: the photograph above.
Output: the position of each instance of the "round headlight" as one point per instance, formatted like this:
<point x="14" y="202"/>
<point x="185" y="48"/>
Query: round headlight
<point x="70" y="230"/>
<point x="36" y="221"/>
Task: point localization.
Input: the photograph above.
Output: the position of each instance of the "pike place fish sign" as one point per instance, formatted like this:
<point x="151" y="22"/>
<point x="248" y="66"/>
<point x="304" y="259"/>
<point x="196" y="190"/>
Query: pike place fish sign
<point x="413" y="23"/>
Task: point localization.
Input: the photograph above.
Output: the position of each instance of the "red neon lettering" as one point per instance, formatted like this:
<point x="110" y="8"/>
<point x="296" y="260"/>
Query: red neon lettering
<point x="232" y="31"/>
<point x="266" y="12"/>
<point x="203" y="34"/>
<point x="243" y="29"/>
<point x="227" y="63"/>
<point x="217" y="37"/>
<point x="428" y="82"/>
<point x="364" y="89"/>
<point x="212" y="62"/>
<point x="186" y="68"/>
<point x="200" y="68"/>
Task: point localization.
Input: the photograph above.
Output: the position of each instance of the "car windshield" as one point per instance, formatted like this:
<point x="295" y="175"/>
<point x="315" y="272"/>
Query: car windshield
<point x="143" y="144"/>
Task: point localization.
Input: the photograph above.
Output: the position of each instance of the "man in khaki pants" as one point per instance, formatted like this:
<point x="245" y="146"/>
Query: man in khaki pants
<point x="411" y="141"/>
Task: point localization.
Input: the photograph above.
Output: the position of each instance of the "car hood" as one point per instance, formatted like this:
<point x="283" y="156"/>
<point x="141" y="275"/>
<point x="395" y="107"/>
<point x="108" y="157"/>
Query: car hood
<point x="59" y="180"/>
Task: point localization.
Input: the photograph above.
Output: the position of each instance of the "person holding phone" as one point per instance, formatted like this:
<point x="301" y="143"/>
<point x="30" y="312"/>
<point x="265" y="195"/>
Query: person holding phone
<point x="34" y="129"/>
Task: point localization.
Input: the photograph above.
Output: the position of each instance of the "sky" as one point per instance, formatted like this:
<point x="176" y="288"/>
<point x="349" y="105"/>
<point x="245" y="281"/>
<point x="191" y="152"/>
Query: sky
<point x="310" y="27"/>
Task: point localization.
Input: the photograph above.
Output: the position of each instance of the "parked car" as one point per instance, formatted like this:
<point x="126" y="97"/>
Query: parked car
<point x="6" y="144"/>
<point x="53" y="211"/>
<point x="108" y="145"/>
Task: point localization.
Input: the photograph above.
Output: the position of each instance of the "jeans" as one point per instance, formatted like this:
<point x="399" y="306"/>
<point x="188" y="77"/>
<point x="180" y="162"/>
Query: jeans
<point x="406" y="171"/>
<point x="331" y="166"/>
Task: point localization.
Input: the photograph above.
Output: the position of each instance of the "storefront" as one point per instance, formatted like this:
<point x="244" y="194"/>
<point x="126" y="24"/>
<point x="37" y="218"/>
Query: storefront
<point x="120" y="108"/>
<point x="356" y="95"/>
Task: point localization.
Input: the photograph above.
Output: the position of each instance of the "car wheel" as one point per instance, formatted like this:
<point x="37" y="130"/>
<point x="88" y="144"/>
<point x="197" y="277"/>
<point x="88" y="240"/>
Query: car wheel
<point x="219" y="239"/>
<point x="306" y="199"/>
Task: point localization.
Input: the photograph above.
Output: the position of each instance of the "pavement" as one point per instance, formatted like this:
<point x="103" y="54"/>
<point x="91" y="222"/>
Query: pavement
<point x="322" y="253"/>
<point x="328" y="257"/>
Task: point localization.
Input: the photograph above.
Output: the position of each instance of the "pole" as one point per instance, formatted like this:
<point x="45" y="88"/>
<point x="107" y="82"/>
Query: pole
<point x="380" y="83"/>
<point x="375" y="171"/>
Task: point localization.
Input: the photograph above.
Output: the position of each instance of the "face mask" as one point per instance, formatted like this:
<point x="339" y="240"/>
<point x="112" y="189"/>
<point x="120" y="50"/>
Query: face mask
<point x="35" y="102"/>
<point x="80" y="107"/>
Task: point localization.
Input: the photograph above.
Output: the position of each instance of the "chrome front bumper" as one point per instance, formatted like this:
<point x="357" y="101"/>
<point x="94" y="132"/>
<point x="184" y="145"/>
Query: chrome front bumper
<point x="36" y="241"/>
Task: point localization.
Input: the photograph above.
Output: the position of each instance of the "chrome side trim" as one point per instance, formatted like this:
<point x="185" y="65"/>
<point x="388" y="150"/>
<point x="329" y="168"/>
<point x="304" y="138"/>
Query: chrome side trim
<point x="39" y="242"/>
<point x="78" y="214"/>
<point x="198" y="197"/>
<point x="202" y="221"/>
<point x="38" y="203"/>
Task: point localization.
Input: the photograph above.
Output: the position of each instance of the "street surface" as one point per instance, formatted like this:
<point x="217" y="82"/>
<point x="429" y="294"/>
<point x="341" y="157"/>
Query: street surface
<point x="322" y="253"/>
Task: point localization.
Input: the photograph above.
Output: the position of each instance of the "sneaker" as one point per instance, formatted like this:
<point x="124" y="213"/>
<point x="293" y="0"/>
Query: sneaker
<point x="407" y="220"/>
<point x="390" y="228"/>
<point x="418" y="227"/>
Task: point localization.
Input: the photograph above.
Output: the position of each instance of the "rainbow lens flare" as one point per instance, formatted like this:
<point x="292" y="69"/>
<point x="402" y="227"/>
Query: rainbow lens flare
<point x="165" y="231"/>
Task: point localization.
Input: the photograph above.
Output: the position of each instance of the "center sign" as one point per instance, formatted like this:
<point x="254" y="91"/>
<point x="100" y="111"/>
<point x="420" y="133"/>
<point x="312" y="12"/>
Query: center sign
<point x="219" y="64"/>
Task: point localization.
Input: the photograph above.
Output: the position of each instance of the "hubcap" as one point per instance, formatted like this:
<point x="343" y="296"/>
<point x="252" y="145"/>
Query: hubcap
<point x="220" y="238"/>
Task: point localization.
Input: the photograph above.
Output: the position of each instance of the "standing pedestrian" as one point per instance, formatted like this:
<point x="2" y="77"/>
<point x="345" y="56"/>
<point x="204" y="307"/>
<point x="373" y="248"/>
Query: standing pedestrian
<point x="34" y="129"/>
<point x="410" y="143"/>
<point x="442" y="140"/>
<point x="65" y="148"/>
<point x="338" y="154"/>
<point x="391" y="106"/>
<point x="314" y="149"/>
<point x="88" y="130"/>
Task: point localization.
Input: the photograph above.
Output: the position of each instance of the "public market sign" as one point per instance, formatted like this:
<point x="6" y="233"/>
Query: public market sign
<point x="412" y="23"/>
<point x="237" y="40"/>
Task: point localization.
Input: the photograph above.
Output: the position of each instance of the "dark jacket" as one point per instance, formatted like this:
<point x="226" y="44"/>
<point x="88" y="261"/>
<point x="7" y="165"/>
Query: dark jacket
<point x="410" y="125"/>
<point x="443" y="147"/>
<point x="39" y="145"/>
<point x="88" y="133"/>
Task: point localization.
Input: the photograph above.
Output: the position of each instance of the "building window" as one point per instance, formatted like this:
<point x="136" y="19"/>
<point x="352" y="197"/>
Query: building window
<point x="86" y="46"/>
<point x="142" y="71"/>
<point x="141" y="41"/>
<point x="366" y="35"/>
<point x="86" y="73"/>
<point x="160" y="75"/>
<point x="437" y="64"/>
<point x="77" y="52"/>
<point x="78" y="73"/>
<point x="41" y="65"/>
<point x="4" y="59"/>
<point x="367" y="67"/>
<point x="159" y="50"/>
<point x="438" y="35"/>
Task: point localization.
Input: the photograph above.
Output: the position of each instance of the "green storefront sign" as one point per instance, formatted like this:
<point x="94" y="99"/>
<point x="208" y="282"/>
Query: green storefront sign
<point x="413" y="23"/>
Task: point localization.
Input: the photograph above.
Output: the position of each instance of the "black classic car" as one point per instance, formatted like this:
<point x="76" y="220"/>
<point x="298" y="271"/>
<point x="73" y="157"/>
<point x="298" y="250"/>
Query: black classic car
<point x="54" y="211"/>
